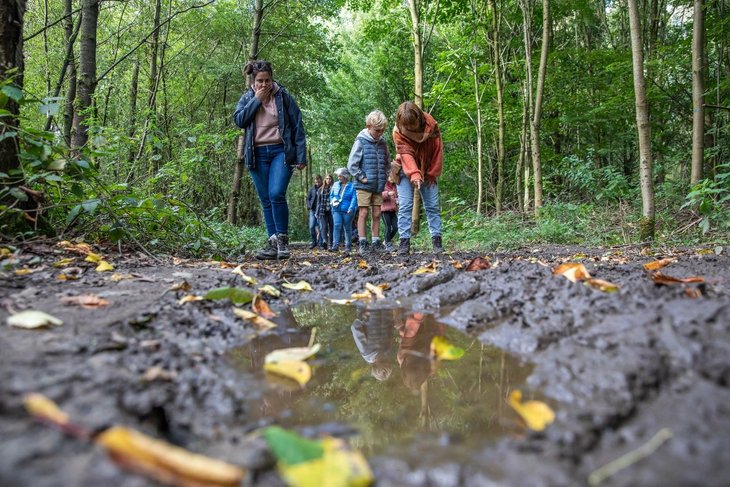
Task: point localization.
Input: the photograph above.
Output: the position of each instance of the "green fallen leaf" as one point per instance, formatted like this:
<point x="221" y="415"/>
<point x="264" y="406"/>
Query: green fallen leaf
<point x="235" y="294"/>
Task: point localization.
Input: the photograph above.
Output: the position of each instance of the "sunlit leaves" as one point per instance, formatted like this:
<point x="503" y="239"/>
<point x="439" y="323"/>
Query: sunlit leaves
<point x="536" y="414"/>
<point x="443" y="349"/>
<point x="329" y="462"/>
<point x="32" y="319"/>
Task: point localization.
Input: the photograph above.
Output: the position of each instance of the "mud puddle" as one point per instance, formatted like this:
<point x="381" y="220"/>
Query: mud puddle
<point x="374" y="379"/>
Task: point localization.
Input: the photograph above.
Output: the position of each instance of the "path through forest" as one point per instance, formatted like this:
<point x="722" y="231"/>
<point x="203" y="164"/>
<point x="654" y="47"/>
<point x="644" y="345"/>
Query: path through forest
<point x="618" y="368"/>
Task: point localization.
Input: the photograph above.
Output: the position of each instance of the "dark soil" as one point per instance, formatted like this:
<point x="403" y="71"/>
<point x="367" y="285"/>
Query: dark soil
<point x="616" y="367"/>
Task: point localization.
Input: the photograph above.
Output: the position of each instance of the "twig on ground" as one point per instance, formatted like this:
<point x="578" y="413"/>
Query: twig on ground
<point x="630" y="458"/>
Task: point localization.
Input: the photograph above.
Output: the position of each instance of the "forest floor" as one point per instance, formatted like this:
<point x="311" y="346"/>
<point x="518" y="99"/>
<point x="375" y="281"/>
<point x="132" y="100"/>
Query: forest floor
<point x="644" y="370"/>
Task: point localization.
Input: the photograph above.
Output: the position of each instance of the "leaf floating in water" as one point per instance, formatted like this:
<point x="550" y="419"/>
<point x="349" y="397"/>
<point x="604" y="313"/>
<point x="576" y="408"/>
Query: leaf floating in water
<point x="296" y="370"/>
<point x="572" y="271"/>
<point x="299" y="286"/>
<point x="443" y="349"/>
<point x="32" y="319"/>
<point x="292" y="354"/>
<point x="536" y="414"/>
<point x="164" y="462"/>
<point x="313" y="463"/>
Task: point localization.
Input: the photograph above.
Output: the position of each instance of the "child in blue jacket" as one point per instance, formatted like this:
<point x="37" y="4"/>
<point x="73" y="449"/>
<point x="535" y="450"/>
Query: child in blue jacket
<point x="343" y="200"/>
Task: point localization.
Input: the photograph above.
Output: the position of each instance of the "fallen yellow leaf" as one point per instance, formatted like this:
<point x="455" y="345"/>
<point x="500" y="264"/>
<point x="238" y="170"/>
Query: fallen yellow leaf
<point x="362" y="264"/>
<point x="376" y="290"/>
<point x="536" y="414"/>
<point x="296" y="370"/>
<point x="4" y="252"/>
<point x="93" y="258"/>
<point x="63" y="262"/>
<point x="572" y="271"/>
<point x="246" y="278"/>
<point x="363" y="296"/>
<point x="261" y="323"/>
<point x="601" y="285"/>
<point x="427" y="269"/>
<point x="32" y="319"/>
<point x="443" y="349"/>
<point x="44" y="409"/>
<point x="23" y="272"/>
<point x="164" y="462"/>
<point x="79" y="248"/>
<point x="292" y="354"/>
<point x="116" y="277"/>
<point x="189" y="298"/>
<point x="270" y="290"/>
<point x="339" y="466"/>
<point x="299" y="286"/>
<point x="104" y="266"/>
<point x="66" y="277"/>
<point x="181" y="286"/>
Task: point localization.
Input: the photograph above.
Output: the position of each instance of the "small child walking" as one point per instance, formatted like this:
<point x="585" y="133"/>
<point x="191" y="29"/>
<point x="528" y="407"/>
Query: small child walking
<point x="369" y="164"/>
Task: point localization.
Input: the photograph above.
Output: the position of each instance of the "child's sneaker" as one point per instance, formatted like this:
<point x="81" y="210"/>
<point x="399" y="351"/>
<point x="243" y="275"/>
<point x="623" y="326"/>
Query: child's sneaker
<point x="377" y="246"/>
<point x="362" y="247"/>
<point x="389" y="247"/>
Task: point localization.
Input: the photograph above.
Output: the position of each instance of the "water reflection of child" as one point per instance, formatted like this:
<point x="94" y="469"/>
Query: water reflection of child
<point x="414" y="353"/>
<point x="373" y="334"/>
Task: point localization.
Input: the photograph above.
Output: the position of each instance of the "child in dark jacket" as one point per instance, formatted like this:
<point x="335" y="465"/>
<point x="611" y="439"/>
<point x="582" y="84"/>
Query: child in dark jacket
<point x="369" y="164"/>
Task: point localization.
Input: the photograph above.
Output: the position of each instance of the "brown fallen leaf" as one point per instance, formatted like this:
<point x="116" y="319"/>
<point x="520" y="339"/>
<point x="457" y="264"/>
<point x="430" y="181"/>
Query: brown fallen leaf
<point x="88" y="301"/>
<point x="572" y="271"/>
<point x="262" y="307"/>
<point x="692" y="292"/>
<point x="79" y="248"/>
<point x="362" y="264"/>
<point x="261" y="323"/>
<point x="663" y="279"/>
<point x="601" y="285"/>
<point x="658" y="264"/>
<point x="181" y="286"/>
<point x="478" y="264"/>
<point x="457" y="265"/>
<point x="227" y="265"/>
<point x="66" y="277"/>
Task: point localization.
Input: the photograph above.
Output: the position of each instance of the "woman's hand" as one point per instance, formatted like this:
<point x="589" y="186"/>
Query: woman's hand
<point x="264" y="93"/>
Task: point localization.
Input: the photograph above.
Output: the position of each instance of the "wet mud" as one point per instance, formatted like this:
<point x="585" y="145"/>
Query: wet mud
<point x="616" y="367"/>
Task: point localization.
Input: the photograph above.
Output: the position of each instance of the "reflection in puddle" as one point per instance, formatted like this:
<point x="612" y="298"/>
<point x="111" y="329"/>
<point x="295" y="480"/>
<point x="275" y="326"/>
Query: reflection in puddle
<point x="374" y="373"/>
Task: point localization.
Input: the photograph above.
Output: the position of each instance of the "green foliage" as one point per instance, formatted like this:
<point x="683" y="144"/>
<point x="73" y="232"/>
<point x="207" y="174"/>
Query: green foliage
<point x="711" y="198"/>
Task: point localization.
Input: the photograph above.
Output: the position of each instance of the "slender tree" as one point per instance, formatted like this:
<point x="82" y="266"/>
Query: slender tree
<point x="497" y="61"/>
<point x="646" y="232"/>
<point x="11" y="69"/>
<point x="68" y="112"/>
<point x="87" y="71"/>
<point x="414" y="9"/>
<point x="698" y="92"/>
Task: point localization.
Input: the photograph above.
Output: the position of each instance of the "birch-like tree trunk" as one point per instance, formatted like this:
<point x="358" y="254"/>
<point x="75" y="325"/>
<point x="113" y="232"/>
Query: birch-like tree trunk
<point x="497" y="59"/>
<point x="414" y="10"/>
<point x="87" y="71"/>
<point x="646" y="232"/>
<point x="698" y="92"/>
<point x="68" y="113"/>
<point x="238" y="170"/>
<point x="537" y="107"/>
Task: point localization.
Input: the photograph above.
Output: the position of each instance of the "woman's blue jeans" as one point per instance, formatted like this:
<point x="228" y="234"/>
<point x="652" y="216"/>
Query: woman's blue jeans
<point x="271" y="178"/>
<point x="430" y="198"/>
<point x="342" y="219"/>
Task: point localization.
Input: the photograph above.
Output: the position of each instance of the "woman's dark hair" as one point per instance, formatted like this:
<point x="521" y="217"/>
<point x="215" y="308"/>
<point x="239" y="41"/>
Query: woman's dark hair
<point x="410" y="116"/>
<point x="253" y="68"/>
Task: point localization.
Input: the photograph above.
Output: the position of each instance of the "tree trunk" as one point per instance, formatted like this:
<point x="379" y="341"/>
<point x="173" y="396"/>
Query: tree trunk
<point x="537" y="108"/>
<point x="67" y="61"/>
<point x="496" y="48"/>
<point x="413" y="9"/>
<point x="87" y="70"/>
<point x="646" y="232"/>
<point x="237" y="177"/>
<point x="68" y="113"/>
<point x="11" y="66"/>
<point x="698" y="92"/>
<point x="154" y="47"/>
<point x="480" y="142"/>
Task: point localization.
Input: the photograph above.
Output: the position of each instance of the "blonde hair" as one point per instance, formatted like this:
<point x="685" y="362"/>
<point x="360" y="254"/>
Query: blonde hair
<point x="376" y="119"/>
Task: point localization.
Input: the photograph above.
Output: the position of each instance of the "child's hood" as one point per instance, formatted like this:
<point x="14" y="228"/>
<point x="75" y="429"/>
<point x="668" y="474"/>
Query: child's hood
<point x="365" y="134"/>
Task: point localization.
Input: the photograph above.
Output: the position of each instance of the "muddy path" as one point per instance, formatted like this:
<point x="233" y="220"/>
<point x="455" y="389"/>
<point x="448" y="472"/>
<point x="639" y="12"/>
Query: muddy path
<point x="616" y="367"/>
